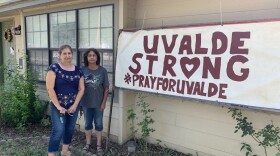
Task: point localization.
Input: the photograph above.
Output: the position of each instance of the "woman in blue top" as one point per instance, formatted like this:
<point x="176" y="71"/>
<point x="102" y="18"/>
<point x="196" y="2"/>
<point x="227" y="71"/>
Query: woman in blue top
<point x="65" y="86"/>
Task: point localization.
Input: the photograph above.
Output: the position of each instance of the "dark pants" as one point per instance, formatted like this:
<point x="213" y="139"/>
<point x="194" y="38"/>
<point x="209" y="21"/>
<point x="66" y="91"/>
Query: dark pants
<point x="61" y="129"/>
<point x="93" y="114"/>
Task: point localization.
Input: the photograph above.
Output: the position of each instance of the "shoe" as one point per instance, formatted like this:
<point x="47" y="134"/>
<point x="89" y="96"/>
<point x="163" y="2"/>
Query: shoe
<point x="99" y="151"/>
<point x="87" y="147"/>
<point x="68" y="153"/>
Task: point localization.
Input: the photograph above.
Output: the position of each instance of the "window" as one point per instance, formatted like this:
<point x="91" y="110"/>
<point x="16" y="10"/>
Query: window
<point x="37" y="40"/>
<point x="39" y="62"/>
<point x="81" y="29"/>
<point x="37" y="36"/>
<point x="94" y="31"/>
<point x="63" y="29"/>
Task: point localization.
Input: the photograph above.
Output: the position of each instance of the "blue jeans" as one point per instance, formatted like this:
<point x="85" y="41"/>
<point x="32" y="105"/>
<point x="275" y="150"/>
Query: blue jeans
<point x="93" y="114"/>
<point x="61" y="128"/>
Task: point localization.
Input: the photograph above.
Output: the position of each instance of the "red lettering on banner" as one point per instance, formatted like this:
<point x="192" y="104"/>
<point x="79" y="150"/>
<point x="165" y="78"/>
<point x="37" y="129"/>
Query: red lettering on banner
<point x="213" y="69"/>
<point x="201" y="91"/>
<point x="224" y="41"/>
<point x="154" y="47"/>
<point x="138" y="66"/>
<point x="182" y="89"/>
<point x="141" y="79"/>
<point x="135" y="78"/>
<point x="186" y="45"/>
<point x="165" y="84"/>
<point x="190" y="87"/>
<point x="212" y="89"/>
<point x="169" y="48"/>
<point x="151" y="60"/>
<point x="230" y="72"/>
<point x="172" y="84"/>
<point x="181" y="86"/>
<point x="198" y="48"/>
<point x="190" y="65"/>
<point x="153" y="80"/>
<point x="169" y="66"/>
<point x="198" y="89"/>
<point x="147" y="83"/>
<point x="222" y="91"/>
<point x="193" y="64"/>
<point x="159" y="82"/>
<point x="236" y="42"/>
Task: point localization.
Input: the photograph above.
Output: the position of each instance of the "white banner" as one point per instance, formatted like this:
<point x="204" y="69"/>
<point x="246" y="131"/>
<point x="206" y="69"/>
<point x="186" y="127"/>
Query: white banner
<point x="237" y="63"/>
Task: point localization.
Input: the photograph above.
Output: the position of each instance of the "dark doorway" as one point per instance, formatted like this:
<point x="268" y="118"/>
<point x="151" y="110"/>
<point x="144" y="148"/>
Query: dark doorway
<point x="7" y="51"/>
<point x="1" y="56"/>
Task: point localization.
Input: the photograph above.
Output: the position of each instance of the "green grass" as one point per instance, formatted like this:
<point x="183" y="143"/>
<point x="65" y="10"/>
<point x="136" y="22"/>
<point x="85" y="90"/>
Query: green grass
<point x="23" y="147"/>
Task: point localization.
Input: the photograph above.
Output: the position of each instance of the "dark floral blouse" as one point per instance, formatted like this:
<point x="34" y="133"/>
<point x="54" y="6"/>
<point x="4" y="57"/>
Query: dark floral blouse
<point x="66" y="84"/>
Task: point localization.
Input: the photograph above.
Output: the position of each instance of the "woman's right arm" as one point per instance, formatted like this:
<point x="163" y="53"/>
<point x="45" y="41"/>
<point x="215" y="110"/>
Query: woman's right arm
<point x="50" y="81"/>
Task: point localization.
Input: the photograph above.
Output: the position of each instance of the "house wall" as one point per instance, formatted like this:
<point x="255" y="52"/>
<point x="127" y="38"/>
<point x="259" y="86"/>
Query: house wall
<point x="18" y="18"/>
<point x="186" y="125"/>
<point x="194" y="126"/>
<point x="76" y="4"/>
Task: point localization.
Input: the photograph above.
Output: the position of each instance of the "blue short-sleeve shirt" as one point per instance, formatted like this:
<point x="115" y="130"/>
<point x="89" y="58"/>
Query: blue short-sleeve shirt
<point x="66" y="84"/>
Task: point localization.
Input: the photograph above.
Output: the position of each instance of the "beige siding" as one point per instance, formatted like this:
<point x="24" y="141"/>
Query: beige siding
<point x="193" y="12"/>
<point x="131" y="12"/>
<point x="197" y="126"/>
<point x="127" y="13"/>
<point x="126" y="102"/>
<point x="208" y="129"/>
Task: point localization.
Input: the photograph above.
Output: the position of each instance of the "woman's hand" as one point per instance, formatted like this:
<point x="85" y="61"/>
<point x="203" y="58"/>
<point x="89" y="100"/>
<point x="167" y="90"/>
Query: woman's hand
<point x="61" y="110"/>
<point x="103" y="106"/>
<point x="72" y="109"/>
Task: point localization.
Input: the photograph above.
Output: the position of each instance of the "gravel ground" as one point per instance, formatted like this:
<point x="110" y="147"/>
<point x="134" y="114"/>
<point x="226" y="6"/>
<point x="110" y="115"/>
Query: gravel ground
<point x="34" y="141"/>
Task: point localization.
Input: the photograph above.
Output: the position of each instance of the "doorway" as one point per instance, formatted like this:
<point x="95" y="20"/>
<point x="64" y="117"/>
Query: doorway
<point x="7" y="48"/>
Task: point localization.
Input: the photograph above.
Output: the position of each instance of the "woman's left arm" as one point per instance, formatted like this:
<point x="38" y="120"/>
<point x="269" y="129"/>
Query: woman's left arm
<point x="105" y="91"/>
<point x="79" y="96"/>
<point x="105" y="95"/>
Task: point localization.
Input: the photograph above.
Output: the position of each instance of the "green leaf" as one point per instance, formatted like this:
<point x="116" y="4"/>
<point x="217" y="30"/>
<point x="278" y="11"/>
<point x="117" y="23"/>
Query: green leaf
<point x="249" y="149"/>
<point x="242" y="148"/>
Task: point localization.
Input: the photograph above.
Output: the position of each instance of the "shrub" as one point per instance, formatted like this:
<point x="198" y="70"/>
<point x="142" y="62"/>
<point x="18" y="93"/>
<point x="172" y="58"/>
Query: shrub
<point x="19" y="103"/>
<point x="145" y="124"/>
<point x="267" y="137"/>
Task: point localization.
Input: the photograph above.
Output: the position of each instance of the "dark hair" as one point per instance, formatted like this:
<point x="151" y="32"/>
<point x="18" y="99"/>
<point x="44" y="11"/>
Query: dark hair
<point x="64" y="47"/>
<point x="86" y="55"/>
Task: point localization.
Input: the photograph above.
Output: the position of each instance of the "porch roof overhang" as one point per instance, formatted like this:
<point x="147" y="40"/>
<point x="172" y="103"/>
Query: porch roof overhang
<point x="12" y="5"/>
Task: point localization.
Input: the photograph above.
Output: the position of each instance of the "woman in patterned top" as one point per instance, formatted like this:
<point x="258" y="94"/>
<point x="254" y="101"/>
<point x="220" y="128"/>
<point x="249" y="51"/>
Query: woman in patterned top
<point x="95" y="97"/>
<point x="65" y="86"/>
